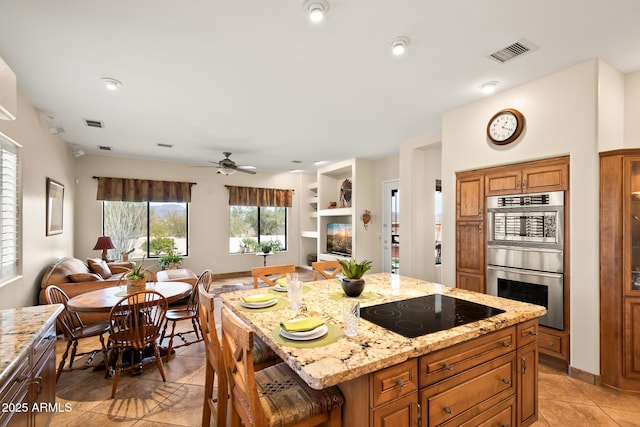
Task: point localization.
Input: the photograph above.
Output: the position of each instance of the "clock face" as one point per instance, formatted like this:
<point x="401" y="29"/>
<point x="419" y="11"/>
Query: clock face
<point x="505" y="127"/>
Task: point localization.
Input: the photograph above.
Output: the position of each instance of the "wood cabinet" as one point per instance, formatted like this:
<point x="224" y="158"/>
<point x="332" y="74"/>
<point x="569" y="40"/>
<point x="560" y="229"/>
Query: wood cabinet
<point x="620" y="269"/>
<point x="31" y="384"/>
<point x="472" y="187"/>
<point x="534" y="177"/>
<point x="470" y="237"/>
<point x="491" y="380"/>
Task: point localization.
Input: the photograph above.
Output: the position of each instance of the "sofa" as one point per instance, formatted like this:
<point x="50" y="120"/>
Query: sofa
<point x="75" y="277"/>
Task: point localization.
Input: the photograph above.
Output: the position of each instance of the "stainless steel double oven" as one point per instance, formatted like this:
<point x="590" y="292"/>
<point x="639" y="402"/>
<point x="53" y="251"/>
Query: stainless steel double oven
<point x="525" y="251"/>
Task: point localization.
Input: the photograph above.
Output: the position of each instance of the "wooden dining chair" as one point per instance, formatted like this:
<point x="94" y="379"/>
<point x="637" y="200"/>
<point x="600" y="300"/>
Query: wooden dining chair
<point x="275" y="395"/>
<point x="327" y="269"/>
<point x="263" y="356"/>
<point x="135" y="323"/>
<point x="263" y="273"/>
<point x="190" y="312"/>
<point x="73" y="330"/>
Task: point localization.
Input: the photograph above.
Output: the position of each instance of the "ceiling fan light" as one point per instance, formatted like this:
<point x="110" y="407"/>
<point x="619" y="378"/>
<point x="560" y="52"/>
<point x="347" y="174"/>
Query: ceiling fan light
<point x="489" y="87"/>
<point x="226" y="171"/>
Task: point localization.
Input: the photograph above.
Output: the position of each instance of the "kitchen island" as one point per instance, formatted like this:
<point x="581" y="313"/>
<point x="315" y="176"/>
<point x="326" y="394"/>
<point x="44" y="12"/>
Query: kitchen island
<point x="28" y="364"/>
<point x="467" y="374"/>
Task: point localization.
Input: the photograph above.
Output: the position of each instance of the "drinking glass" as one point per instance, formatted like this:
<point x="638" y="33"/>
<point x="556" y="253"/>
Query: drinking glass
<point x="350" y="316"/>
<point x="294" y="292"/>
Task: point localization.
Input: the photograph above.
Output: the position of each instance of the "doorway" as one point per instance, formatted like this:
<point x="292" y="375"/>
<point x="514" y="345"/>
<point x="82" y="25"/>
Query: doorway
<point x="391" y="226"/>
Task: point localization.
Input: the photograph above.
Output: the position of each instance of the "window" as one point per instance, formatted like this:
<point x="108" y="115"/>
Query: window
<point x="251" y="225"/>
<point x="10" y="215"/>
<point x="438" y="224"/>
<point x="151" y="229"/>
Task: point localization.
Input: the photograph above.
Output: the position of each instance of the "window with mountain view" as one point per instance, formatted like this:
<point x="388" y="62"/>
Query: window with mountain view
<point x="252" y="225"/>
<point x="148" y="229"/>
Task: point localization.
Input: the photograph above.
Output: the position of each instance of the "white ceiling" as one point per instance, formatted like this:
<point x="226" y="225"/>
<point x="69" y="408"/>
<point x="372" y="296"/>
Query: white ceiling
<point x="257" y="78"/>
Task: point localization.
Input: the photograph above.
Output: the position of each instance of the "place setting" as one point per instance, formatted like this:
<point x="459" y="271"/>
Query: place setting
<point x="306" y="332"/>
<point x="262" y="302"/>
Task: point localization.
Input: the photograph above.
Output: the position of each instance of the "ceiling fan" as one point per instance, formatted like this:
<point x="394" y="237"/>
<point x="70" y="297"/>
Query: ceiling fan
<point x="227" y="166"/>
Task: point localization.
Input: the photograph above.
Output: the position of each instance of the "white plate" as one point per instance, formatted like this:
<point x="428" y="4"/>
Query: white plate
<point x="306" y="335"/>
<point x="279" y="288"/>
<point x="259" y="304"/>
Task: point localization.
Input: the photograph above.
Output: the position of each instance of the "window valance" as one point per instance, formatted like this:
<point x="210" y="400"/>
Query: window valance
<point x="253" y="196"/>
<point x="142" y="190"/>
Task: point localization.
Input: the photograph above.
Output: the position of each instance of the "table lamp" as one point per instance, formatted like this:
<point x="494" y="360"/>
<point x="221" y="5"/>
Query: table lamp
<point x="104" y="243"/>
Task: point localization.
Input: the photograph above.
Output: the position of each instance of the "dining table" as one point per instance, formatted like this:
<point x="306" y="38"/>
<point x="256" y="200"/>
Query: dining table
<point x="102" y="300"/>
<point x="335" y="359"/>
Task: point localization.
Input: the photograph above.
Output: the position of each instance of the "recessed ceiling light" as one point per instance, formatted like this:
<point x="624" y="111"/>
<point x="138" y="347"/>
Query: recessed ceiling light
<point x="111" y="84"/>
<point x="316" y="9"/>
<point x="489" y="87"/>
<point x="399" y="45"/>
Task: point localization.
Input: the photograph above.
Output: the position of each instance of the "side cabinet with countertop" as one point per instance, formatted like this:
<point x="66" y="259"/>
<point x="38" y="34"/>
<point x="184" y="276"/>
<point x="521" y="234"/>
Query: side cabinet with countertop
<point x="28" y="371"/>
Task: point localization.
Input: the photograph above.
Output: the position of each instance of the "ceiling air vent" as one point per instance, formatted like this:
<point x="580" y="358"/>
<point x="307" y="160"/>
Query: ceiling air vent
<point x="94" y="123"/>
<point x="104" y="147"/>
<point x="512" y="51"/>
<point x="160" y="144"/>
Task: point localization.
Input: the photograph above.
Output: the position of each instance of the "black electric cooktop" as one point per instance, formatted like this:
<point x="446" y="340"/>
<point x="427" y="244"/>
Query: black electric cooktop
<point x="424" y="315"/>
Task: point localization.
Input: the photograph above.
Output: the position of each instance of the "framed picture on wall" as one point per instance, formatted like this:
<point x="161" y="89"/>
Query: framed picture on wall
<point x="55" y="202"/>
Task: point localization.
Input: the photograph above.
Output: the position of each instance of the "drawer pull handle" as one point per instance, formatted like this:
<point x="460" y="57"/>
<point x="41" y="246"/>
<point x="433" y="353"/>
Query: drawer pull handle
<point x="506" y="344"/>
<point x="38" y="383"/>
<point x="506" y="380"/>
<point x="550" y="343"/>
<point x="21" y="378"/>
<point x="447" y="410"/>
<point x="447" y="367"/>
<point x="400" y="383"/>
<point x="533" y="333"/>
<point x="524" y="365"/>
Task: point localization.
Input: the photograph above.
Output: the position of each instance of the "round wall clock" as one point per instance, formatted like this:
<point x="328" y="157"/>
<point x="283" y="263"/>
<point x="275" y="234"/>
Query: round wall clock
<point x="505" y="126"/>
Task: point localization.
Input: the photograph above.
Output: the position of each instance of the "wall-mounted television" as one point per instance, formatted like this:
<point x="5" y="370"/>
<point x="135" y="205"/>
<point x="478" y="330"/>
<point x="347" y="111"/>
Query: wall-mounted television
<point x="339" y="238"/>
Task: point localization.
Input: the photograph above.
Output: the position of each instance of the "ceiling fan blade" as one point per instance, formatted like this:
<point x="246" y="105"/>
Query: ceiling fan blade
<point x="240" y="169"/>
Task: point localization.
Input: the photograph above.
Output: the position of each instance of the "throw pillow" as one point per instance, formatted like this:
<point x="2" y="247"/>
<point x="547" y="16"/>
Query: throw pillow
<point x="84" y="277"/>
<point x="100" y="267"/>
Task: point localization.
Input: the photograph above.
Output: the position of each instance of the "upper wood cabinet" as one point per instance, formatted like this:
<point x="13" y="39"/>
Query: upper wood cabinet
<point x="470" y="196"/>
<point x="546" y="175"/>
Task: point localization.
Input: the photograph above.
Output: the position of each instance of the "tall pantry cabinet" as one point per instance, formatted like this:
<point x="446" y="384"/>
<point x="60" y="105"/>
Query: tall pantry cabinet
<point x="620" y="269"/>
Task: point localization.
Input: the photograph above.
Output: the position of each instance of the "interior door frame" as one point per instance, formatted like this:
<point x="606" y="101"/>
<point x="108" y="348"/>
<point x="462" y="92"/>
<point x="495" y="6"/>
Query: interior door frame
<point x="387" y="187"/>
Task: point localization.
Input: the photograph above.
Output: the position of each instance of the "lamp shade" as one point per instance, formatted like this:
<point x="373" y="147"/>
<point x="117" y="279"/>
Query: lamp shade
<point x="104" y="242"/>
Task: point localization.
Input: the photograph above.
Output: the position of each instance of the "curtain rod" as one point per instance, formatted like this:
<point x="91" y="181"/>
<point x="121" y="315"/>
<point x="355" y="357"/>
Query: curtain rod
<point x="98" y="177"/>
<point x="229" y="186"/>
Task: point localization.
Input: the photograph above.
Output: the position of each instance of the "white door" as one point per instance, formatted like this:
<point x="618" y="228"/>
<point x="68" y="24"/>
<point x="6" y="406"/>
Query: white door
<point x="391" y="226"/>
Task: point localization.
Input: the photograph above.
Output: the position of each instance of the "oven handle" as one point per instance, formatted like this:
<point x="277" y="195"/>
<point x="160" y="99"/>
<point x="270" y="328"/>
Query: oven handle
<point x="525" y="248"/>
<point x="521" y="271"/>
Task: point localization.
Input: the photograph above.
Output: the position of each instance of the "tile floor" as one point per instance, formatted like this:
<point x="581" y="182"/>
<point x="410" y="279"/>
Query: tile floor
<point x="145" y="401"/>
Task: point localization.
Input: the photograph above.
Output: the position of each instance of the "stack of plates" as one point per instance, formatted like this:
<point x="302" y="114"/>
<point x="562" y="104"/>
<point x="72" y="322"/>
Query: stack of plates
<point x="313" y="334"/>
<point x="279" y="288"/>
<point x="261" y="304"/>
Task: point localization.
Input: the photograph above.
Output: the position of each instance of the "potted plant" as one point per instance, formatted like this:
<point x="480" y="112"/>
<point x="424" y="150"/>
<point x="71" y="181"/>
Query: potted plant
<point x="247" y="244"/>
<point x="136" y="278"/>
<point x="124" y="255"/>
<point x="352" y="272"/>
<point x="266" y="247"/>
<point x="170" y="261"/>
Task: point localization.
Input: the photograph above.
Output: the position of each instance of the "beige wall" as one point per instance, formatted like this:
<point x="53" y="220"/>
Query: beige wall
<point x="632" y="110"/>
<point x="208" y="210"/>
<point x="43" y="155"/>
<point x="561" y="113"/>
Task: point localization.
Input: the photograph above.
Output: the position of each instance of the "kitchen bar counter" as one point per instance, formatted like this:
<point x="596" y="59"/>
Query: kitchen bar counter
<point x="375" y="348"/>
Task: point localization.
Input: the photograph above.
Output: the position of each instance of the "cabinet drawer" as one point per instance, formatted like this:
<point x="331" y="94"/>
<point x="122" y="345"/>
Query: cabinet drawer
<point x="44" y="345"/>
<point x="18" y="380"/>
<point x="400" y="413"/>
<point x="550" y="343"/>
<point x="503" y="414"/>
<point x="445" y="363"/>
<point x="394" y="382"/>
<point x="527" y="332"/>
<point x="480" y="388"/>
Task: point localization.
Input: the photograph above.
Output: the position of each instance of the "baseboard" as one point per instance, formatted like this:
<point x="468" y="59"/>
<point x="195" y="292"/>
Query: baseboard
<point x="585" y="376"/>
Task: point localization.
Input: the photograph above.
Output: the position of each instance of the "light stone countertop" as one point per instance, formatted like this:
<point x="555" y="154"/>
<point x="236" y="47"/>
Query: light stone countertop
<point x="375" y="347"/>
<point x="19" y="329"/>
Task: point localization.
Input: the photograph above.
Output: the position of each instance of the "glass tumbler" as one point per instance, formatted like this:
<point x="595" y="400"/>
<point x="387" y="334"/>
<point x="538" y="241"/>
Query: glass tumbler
<point x="294" y="292"/>
<point x="350" y="316"/>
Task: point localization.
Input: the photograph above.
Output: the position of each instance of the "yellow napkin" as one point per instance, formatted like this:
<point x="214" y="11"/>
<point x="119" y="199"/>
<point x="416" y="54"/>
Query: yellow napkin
<point x="282" y="282"/>
<point x="258" y="298"/>
<point x="301" y="325"/>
